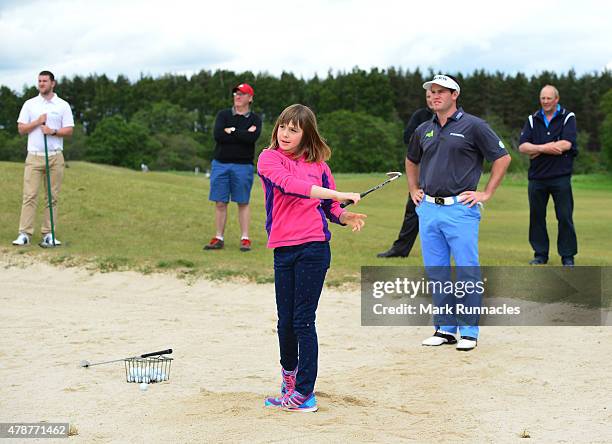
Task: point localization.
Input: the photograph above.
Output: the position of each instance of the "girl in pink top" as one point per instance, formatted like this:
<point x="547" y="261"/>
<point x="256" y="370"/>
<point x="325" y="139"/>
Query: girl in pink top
<point x="300" y="196"/>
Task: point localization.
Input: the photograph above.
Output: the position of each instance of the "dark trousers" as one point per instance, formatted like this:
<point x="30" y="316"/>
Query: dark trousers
<point x="299" y="274"/>
<point x="560" y="188"/>
<point x="409" y="230"/>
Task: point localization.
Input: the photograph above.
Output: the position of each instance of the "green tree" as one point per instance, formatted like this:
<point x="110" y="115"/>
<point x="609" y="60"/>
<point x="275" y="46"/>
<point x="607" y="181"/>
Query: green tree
<point x="178" y="152"/>
<point x="510" y="138"/>
<point x="606" y="127"/>
<point x="392" y="95"/>
<point x="272" y="94"/>
<point x="165" y="117"/>
<point x="117" y="142"/>
<point x="79" y="92"/>
<point x="362" y="143"/>
<point x="588" y="162"/>
<point x="12" y="148"/>
<point x="10" y="105"/>
<point x="408" y="92"/>
<point x="75" y="147"/>
<point x="358" y="91"/>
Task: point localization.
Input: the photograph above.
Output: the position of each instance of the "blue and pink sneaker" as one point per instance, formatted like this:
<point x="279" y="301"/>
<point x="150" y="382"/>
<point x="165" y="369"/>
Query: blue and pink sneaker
<point x="287" y="388"/>
<point x="296" y="402"/>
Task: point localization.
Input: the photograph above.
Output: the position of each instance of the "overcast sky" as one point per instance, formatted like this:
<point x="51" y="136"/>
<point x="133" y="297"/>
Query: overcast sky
<point x="155" y="37"/>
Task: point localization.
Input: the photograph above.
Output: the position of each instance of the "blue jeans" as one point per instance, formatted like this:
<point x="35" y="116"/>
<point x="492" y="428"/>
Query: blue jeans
<point x="451" y="230"/>
<point x="299" y="274"/>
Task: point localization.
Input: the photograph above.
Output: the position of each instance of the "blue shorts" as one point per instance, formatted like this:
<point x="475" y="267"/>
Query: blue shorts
<point x="233" y="180"/>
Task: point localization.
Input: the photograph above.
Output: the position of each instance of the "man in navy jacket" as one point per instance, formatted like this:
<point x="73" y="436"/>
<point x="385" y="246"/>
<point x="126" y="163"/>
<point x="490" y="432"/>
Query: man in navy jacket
<point x="231" y="177"/>
<point x="549" y="138"/>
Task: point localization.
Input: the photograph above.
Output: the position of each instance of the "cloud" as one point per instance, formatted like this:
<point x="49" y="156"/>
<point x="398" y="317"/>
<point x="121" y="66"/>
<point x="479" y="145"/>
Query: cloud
<point x="157" y="37"/>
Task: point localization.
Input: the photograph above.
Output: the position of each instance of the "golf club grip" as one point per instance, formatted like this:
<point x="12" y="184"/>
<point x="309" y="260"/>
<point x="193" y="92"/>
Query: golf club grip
<point x="365" y="193"/>
<point x="163" y="352"/>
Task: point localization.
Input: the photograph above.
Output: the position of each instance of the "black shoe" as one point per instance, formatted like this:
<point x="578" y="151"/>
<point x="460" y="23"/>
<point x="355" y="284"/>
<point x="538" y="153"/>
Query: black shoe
<point x="391" y="252"/>
<point x="567" y="261"/>
<point x="538" y="260"/>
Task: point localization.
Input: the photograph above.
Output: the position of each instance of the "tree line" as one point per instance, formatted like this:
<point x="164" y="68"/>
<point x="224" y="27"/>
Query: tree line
<point x="166" y="122"/>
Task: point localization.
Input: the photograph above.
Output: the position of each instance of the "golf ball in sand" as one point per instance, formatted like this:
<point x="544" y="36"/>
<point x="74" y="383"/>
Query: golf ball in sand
<point x="144" y="386"/>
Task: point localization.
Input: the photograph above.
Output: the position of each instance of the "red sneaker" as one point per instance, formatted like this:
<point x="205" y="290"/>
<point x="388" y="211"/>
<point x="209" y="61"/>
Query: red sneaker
<point x="214" y="244"/>
<point x="245" y="245"/>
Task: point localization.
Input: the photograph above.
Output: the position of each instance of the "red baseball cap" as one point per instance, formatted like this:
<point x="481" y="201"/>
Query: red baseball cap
<point x="244" y="88"/>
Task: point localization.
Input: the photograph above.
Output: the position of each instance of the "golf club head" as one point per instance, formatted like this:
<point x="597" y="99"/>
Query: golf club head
<point x="393" y="174"/>
<point x="84" y="363"/>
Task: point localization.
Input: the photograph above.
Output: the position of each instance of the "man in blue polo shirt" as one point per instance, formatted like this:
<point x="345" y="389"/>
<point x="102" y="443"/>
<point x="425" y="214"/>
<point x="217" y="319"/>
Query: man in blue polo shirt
<point x="549" y="138"/>
<point x="444" y="165"/>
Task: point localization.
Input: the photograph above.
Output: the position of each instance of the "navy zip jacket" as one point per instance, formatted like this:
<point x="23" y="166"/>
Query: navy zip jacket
<point x="561" y="127"/>
<point x="239" y="146"/>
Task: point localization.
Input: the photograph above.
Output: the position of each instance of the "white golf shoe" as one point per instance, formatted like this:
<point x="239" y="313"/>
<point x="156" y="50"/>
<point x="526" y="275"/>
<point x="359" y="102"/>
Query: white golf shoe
<point x="22" y="239"/>
<point x="439" y="338"/>
<point x="48" y="241"/>
<point x="467" y="343"/>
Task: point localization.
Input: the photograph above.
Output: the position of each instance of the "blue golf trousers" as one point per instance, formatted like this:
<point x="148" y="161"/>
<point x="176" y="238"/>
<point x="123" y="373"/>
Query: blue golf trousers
<point x="451" y="230"/>
<point x="299" y="274"/>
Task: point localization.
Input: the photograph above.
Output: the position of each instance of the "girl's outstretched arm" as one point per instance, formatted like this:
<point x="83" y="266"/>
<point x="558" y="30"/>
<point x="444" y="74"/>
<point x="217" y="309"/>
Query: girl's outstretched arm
<point x="318" y="192"/>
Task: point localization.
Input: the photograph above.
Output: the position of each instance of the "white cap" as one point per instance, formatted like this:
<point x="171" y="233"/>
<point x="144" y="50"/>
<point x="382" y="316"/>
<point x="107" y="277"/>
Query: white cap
<point x="444" y="81"/>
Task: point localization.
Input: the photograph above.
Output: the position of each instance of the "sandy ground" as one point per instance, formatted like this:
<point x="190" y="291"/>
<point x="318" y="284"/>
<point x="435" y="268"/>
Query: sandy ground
<point x="376" y="384"/>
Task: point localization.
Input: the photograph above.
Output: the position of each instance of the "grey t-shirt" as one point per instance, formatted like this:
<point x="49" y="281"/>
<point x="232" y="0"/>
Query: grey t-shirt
<point x="451" y="157"/>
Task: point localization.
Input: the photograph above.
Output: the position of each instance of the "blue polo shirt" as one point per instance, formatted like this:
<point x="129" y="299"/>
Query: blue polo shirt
<point x="451" y="157"/>
<point x="562" y="126"/>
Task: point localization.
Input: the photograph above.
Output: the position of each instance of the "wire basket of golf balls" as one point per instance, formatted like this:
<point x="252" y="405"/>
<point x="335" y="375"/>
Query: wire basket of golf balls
<point x="148" y="369"/>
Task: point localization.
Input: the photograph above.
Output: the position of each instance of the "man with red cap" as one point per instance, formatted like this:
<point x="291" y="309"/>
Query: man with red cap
<point x="236" y="131"/>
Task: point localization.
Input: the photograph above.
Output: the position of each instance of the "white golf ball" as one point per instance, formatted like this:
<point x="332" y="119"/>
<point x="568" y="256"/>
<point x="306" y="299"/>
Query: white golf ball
<point x="144" y="386"/>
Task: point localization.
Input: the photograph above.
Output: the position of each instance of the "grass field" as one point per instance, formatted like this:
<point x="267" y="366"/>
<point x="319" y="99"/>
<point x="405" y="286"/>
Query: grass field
<point x="112" y="219"/>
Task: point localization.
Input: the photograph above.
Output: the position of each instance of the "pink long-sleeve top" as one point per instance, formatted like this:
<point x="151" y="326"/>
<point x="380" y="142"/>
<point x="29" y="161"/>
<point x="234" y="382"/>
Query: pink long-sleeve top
<point x="293" y="218"/>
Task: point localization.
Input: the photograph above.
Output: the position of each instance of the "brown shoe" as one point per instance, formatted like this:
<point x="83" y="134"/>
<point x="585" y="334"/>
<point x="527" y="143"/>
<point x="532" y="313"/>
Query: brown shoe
<point x="214" y="244"/>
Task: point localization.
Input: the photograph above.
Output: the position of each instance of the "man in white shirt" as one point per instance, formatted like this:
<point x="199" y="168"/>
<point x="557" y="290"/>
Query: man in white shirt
<point x="45" y="114"/>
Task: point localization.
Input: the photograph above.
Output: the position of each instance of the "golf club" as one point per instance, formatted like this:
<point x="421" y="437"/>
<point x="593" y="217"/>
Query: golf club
<point x="49" y="198"/>
<point x="392" y="175"/>
<point x="146" y="355"/>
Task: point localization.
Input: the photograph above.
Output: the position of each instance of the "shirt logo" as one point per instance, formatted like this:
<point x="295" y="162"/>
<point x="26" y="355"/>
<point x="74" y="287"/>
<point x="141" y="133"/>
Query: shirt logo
<point x="501" y="145"/>
<point x="429" y="134"/>
<point x="457" y="134"/>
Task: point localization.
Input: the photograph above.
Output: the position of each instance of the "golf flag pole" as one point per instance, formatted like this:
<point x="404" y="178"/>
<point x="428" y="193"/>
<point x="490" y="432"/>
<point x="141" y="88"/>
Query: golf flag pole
<point x="49" y="197"/>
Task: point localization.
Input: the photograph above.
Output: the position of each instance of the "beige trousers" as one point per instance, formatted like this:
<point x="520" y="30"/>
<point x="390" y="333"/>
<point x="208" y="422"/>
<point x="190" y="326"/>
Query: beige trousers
<point x="33" y="175"/>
